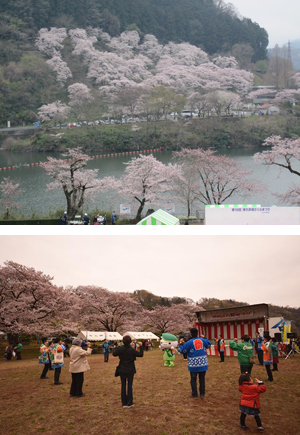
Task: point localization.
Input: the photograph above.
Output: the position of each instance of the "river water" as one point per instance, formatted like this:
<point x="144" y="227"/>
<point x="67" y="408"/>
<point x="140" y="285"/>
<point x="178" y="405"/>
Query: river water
<point x="37" y="199"/>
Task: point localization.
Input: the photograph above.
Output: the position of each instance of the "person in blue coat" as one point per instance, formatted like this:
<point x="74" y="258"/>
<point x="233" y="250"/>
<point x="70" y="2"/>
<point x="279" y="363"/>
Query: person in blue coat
<point x="258" y="349"/>
<point x="197" y="360"/>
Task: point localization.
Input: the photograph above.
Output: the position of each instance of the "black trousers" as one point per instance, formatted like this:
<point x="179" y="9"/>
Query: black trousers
<point x="246" y="368"/>
<point x="260" y="355"/>
<point x="76" y="386"/>
<point x="106" y="356"/>
<point x="243" y="419"/>
<point x="57" y="372"/>
<point x="18" y="354"/>
<point x="222" y="356"/>
<point x="45" y="370"/>
<point x="194" y="376"/>
<point x="269" y="372"/>
<point x="126" y="390"/>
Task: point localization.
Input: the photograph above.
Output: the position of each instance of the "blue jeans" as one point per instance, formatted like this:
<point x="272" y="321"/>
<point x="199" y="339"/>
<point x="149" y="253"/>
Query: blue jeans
<point x="201" y="382"/>
<point x="126" y="396"/>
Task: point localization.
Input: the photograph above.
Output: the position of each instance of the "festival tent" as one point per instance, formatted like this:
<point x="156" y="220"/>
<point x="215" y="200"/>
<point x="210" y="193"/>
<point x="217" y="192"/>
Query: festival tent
<point x="141" y="335"/>
<point x="99" y="336"/>
<point x="159" y="217"/>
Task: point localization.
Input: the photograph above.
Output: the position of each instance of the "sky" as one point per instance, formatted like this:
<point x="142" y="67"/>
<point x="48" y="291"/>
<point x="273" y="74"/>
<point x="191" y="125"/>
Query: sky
<point x="252" y="269"/>
<point x="280" y="18"/>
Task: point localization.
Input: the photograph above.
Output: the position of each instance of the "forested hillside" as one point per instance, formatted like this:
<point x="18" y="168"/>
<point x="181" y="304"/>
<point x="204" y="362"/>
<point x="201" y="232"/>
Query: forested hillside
<point x="199" y="22"/>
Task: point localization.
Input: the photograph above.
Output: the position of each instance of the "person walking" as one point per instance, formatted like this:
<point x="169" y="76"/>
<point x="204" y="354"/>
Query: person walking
<point x="44" y="357"/>
<point x="106" y="350"/>
<point x="245" y="353"/>
<point x="268" y="357"/>
<point x="197" y="360"/>
<point x="113" y="218"/>
<point x="57" y="359"/>
<point x="126" y="368"/>
<point x="249" y="404"/>
<point x="78" y="365"/>
<point x="258" y="349"/>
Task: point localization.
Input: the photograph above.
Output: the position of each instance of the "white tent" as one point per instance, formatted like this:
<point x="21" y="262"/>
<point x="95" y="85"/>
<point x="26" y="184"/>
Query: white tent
<point x="99" y="336"/>
<point x="141" y="335"/>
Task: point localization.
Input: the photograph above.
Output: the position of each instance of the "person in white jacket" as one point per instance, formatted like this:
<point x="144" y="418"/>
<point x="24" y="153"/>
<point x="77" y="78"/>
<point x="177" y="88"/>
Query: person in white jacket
<point x="78" y="365"/>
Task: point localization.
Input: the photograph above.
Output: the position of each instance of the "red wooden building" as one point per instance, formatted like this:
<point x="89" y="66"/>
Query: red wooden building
<point x="232" y="323"/>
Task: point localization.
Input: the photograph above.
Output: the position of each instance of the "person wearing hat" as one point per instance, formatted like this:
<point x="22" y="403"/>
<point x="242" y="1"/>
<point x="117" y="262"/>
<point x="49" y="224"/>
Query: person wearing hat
<point x="78" y="365"/>
<point x="197" y="360"/>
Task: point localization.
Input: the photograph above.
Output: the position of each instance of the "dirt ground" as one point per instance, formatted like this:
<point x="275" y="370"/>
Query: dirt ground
<point x="161" y="395"/>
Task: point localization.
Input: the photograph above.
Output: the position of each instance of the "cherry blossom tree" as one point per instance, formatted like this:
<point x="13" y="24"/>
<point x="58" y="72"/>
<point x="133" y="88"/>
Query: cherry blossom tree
<point x="218" y="177"/>
<point x="221" y="101"/>
<point x="49" y="42"/>
<point x="61" y="68"/>
<point x="285" y="153"/>
<point x="106" y="310"/>
<point x="30" y="303"/>
<point x="9" y="192"/>
<point x="56" y="111"/>
<point x="79" y="94"/>
<point x="146" y="180"/>
<point x="175" y="319"/>
<point x="70" y="176"/>
<point x="184" y="187"/>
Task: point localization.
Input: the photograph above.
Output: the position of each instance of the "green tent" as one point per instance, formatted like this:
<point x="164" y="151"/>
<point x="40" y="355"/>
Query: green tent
<point x="159" y="217"/>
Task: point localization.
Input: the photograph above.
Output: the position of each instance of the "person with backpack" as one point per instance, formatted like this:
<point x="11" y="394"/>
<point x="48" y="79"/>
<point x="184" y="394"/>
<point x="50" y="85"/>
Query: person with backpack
<point x="249" y="404"/>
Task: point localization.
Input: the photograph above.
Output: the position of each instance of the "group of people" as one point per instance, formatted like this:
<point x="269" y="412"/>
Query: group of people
<point x="267" y="351"/>
<point x="52" y="358"/>
<point x="266" y="348"/>
<point x="13" y="351"/>
<point x="194" y="349"/>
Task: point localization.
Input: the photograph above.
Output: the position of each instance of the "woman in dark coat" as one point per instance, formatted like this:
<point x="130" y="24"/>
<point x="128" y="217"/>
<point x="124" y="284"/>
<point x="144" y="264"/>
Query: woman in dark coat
<point x="126" y="369"/>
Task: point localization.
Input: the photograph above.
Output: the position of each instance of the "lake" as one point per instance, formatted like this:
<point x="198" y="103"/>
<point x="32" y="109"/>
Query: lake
<point x="36" y="199"/>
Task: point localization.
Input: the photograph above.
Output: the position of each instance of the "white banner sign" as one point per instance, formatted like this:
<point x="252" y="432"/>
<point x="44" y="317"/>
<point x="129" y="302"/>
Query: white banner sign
<point x="125" y="208"/>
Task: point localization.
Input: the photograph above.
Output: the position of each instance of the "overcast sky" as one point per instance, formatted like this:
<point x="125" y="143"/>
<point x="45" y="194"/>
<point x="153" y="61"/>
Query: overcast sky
<point x="279" y="17"/>
<point x="253" y="269"/>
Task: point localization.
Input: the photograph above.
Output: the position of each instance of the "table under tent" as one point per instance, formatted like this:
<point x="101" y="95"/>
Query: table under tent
<point x="159" y="217"/>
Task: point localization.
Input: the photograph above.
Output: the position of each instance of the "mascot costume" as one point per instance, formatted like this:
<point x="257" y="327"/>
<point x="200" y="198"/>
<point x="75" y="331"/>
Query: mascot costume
<point x="168" y="343"/>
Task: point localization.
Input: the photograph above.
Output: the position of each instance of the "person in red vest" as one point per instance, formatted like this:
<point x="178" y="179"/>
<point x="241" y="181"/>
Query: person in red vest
<point x="249" y="404"/>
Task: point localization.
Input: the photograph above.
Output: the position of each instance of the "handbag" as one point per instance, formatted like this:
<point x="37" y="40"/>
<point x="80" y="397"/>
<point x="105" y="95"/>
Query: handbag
<point x="117" y="372"/>
<point x="58" y="358"/>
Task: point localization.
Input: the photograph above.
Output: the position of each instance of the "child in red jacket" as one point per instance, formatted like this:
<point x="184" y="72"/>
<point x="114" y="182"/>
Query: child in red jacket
<point x="249" y="404"/>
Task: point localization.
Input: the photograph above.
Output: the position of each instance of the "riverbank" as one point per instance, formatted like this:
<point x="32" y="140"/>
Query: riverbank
<point x="167" y="135"/>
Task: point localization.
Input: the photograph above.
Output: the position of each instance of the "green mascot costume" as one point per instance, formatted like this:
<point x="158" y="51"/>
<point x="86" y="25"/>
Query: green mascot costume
<point x="168" y="343"/>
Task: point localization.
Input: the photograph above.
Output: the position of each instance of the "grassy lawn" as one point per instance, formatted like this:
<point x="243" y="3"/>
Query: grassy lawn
<point x="161" y="395"/>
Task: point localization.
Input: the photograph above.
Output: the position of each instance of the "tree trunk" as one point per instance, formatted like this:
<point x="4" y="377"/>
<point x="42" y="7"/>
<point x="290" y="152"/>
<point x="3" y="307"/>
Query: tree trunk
<point x="140" y="209"/>
<point x="13" y="339"/>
